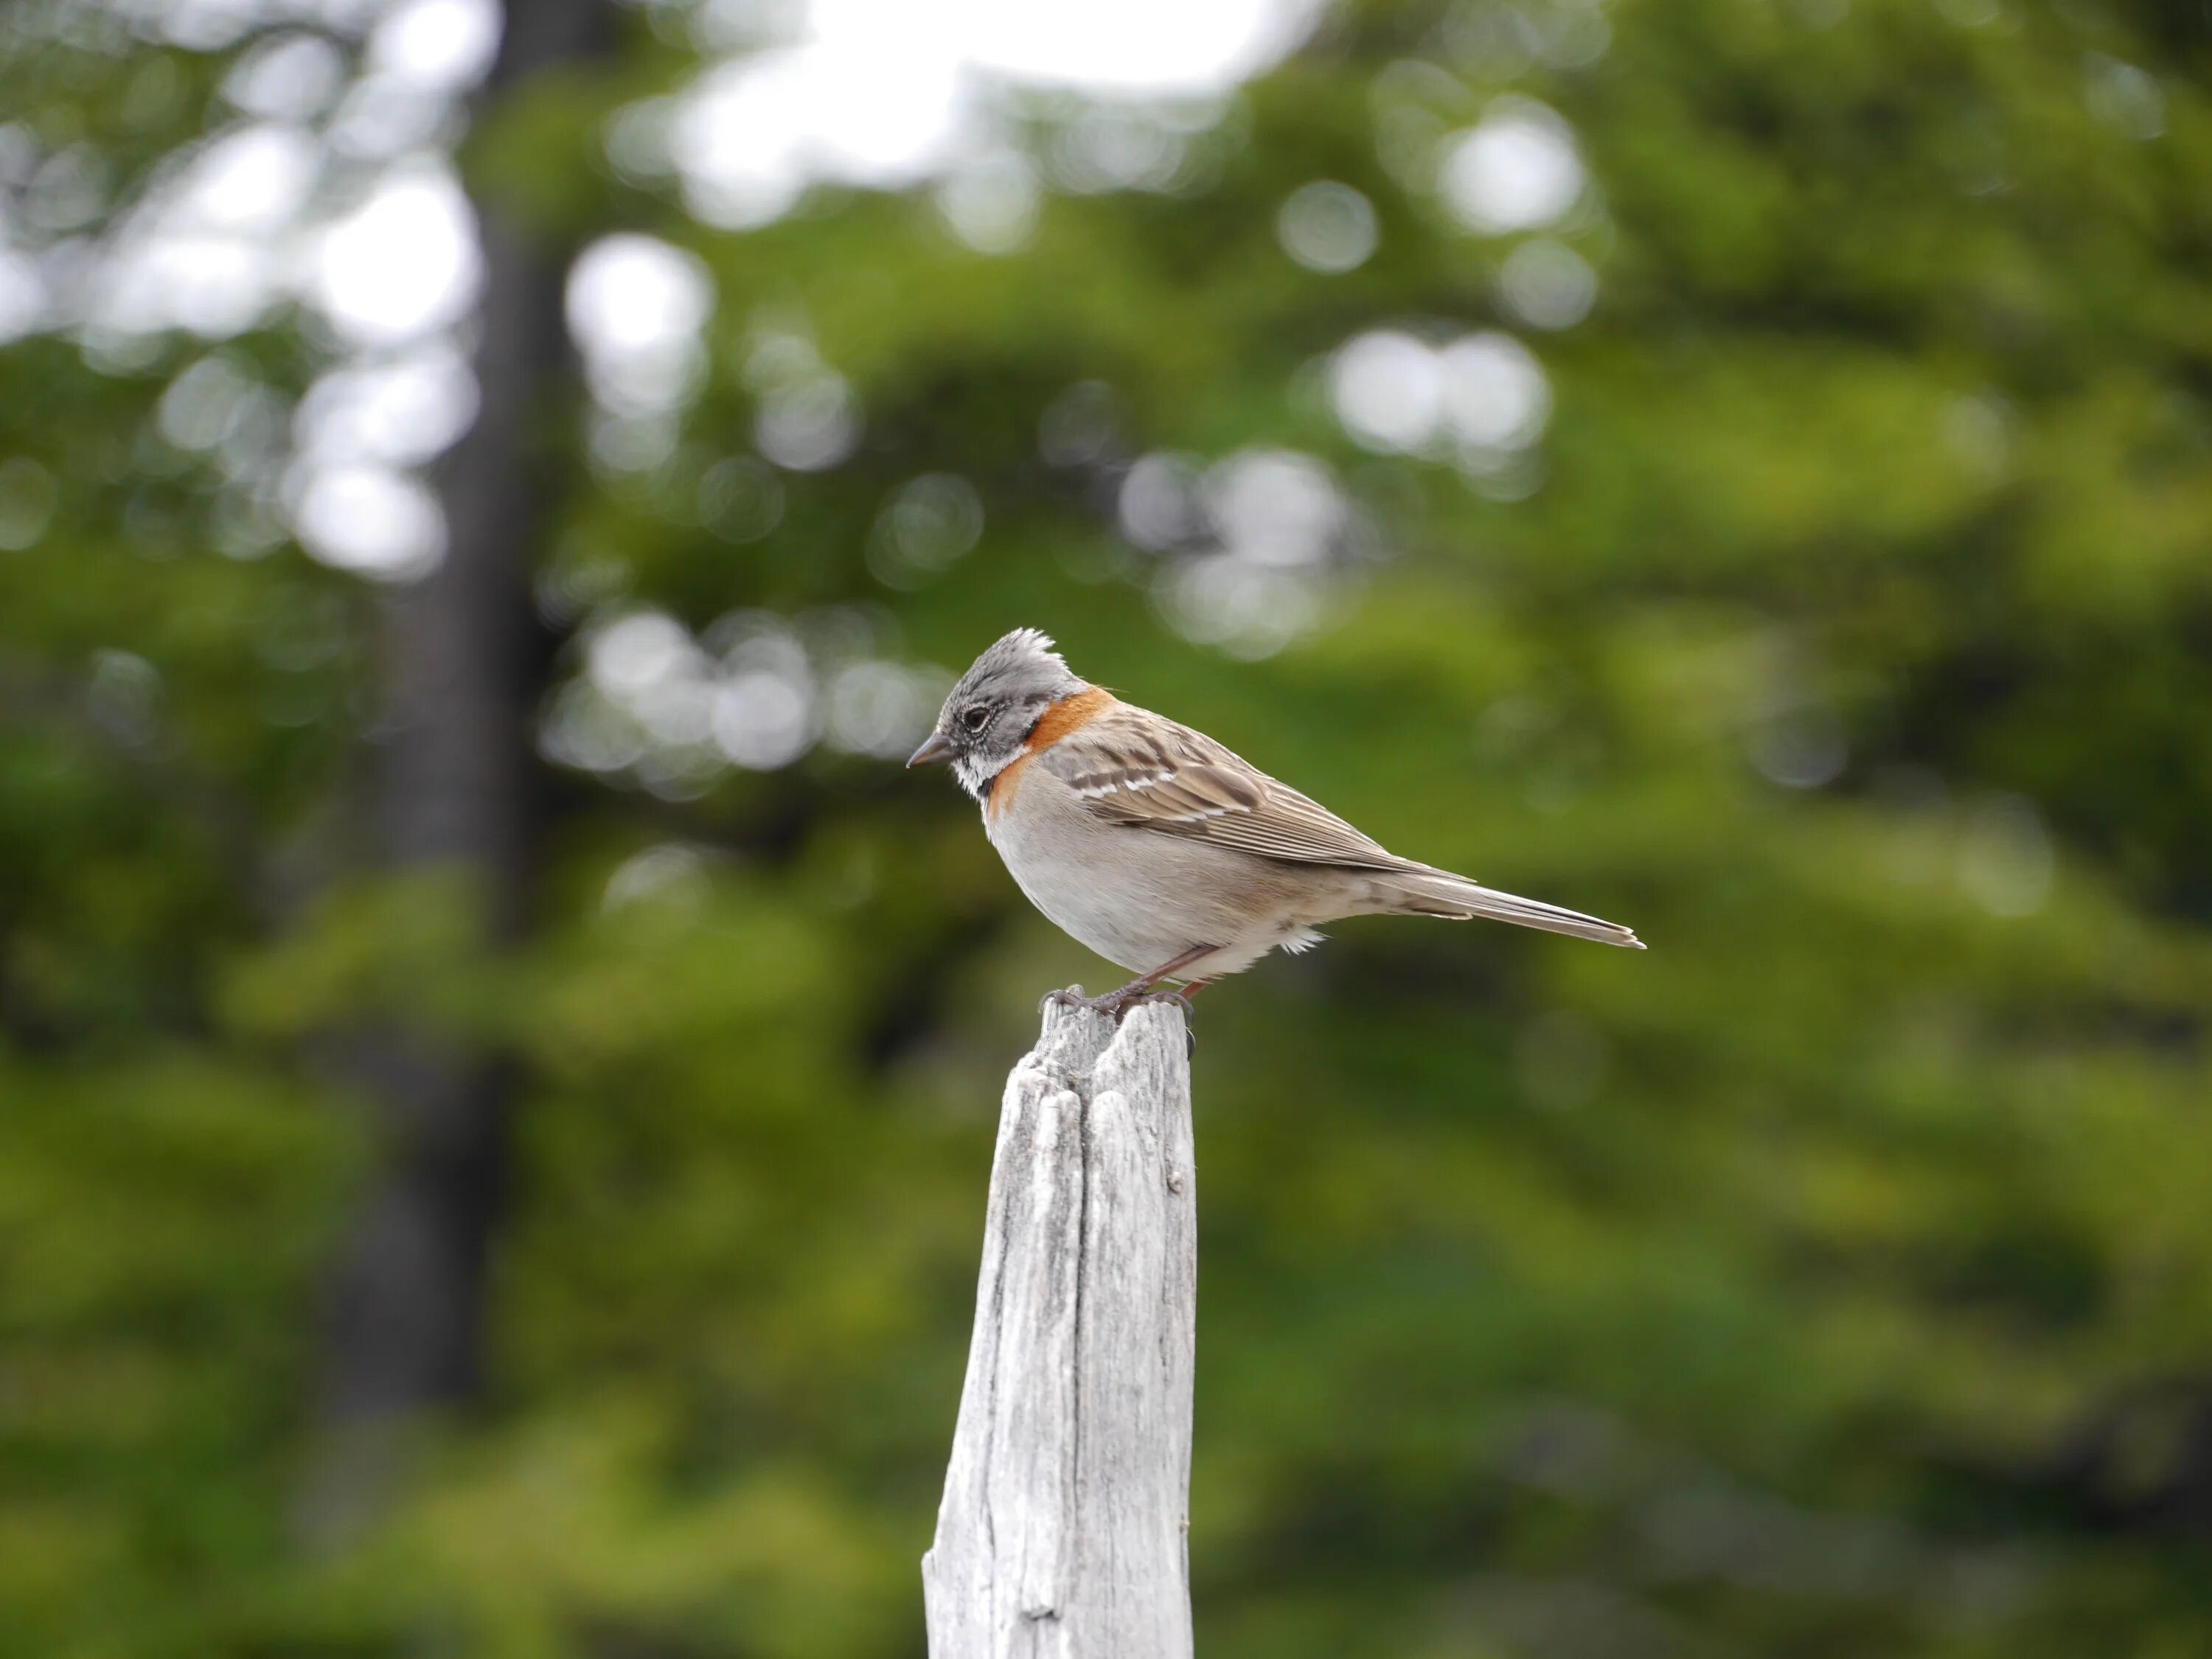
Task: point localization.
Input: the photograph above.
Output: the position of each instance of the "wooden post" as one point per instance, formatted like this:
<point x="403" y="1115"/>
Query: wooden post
<point x="1062" y="1529"/>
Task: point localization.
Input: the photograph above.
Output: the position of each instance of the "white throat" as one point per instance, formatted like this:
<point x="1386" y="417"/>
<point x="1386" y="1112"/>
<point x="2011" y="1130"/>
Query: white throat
<point x="975" y="772"/>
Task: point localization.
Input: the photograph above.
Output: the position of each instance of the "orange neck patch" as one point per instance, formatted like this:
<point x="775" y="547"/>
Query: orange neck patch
<point x="1068" y="715"/>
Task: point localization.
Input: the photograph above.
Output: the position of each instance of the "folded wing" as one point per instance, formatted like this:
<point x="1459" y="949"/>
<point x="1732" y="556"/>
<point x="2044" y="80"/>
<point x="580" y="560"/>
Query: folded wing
<point x="1136" y="769"/>
<point x="1151" y="774"/>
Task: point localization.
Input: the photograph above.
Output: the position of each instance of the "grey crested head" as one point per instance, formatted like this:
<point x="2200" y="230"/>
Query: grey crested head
<point x="994" y="708"/>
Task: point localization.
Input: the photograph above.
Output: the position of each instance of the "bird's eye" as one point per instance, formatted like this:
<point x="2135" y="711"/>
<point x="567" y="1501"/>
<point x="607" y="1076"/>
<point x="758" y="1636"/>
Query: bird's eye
<point x="975" y="719"/>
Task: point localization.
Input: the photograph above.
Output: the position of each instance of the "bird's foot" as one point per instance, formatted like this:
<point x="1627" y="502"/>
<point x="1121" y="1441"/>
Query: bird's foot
<point x="1115" y="1005"/>
<point x="1073" y="998"/>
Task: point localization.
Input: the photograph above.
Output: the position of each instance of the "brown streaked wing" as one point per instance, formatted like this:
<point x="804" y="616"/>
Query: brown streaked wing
<point x="1135" y="768"/>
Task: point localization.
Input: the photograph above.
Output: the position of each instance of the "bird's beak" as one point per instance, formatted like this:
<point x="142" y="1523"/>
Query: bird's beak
<point x="937" y="749"/>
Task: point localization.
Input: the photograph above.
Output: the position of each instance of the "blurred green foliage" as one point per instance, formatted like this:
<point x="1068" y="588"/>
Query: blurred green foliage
<point x="1834" y="1280"/>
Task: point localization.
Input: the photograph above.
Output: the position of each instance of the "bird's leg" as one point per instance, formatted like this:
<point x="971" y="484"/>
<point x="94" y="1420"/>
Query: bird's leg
<point x="1181" y="993"/>
<point x="1118" y="1002"/>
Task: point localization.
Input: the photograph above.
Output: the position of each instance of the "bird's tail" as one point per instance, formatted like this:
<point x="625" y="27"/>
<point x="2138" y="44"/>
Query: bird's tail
<point x="1425" y="892"/>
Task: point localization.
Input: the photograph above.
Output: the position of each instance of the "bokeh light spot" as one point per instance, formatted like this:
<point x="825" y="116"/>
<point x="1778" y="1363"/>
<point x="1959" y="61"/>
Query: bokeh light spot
<point x="1546" y="284"/>
<point x="1327" y="227"/>
<point x="1517" y="170"/>
<point x="371" y="521"/>
<point x="403" y="263"/>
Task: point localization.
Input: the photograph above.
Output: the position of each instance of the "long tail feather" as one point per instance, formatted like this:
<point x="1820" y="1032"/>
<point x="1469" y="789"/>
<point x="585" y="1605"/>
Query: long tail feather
<point x="1440" y="893"/>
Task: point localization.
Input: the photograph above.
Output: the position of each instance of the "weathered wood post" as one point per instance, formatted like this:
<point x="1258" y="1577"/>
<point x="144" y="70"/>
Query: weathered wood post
<point x="1062" y="1529"/>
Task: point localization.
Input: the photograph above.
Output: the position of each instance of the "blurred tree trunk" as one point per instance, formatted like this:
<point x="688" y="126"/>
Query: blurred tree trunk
<point x="458" y="786"/>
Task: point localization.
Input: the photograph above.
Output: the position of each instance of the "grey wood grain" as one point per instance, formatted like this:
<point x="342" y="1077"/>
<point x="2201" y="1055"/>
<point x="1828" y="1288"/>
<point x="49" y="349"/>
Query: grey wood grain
<point x="1062" y="1529"/>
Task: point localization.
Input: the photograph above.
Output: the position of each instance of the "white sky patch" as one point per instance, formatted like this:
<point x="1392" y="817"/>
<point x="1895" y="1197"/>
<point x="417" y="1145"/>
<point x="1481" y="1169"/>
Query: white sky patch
<point x="385" y="116"/>
<point x="1135" y="47"/>
<point x="287" y="78"/>
<point x="22" y="296"/>
<point x="253" y="180"/>
<point x="1389" y="390"/>
<point x="873" y="93"/>
<point x="1496" y="396"/>
<point x="883" y="93"/>
<point x="1479" y="400"/>
<point x="209" y="249"/>
<point x="1516" y="170"/>
<point x="213" y="25"/>
<point x="371" y="521"/>
<point x="637" y="307"/>
<point x="443" y="43"/>
<point x="402" y="411"/>
<point x="752" y="135"/>
<point x="365" y="222"/>
<point x="403" y="263"/>
<point x="214" y="286"/>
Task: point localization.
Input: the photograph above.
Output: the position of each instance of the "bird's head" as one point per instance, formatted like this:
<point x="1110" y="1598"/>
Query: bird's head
<point x="996" y="705"/>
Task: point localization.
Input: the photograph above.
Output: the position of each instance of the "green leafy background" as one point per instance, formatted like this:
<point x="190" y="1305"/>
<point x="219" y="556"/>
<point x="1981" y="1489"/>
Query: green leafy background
<point x="1835" y="1279"/>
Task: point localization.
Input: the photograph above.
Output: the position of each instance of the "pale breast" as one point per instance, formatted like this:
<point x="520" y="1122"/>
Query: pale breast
<point x="1136" y="898"/>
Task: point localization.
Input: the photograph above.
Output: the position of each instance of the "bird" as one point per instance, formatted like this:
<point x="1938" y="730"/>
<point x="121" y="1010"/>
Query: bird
<point x="1161" y="851"/>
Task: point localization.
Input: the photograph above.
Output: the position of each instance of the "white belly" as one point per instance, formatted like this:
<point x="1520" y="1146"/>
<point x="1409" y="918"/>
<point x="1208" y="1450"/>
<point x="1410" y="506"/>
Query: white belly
<point x="1142" y="899"/>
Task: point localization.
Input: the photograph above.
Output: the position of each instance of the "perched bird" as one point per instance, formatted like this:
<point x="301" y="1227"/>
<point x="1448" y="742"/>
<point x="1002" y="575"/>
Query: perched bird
<point x="1161" y="850"/>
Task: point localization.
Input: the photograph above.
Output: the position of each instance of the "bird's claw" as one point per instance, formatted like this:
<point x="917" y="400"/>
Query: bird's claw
<point x="1115" y="1005"/>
